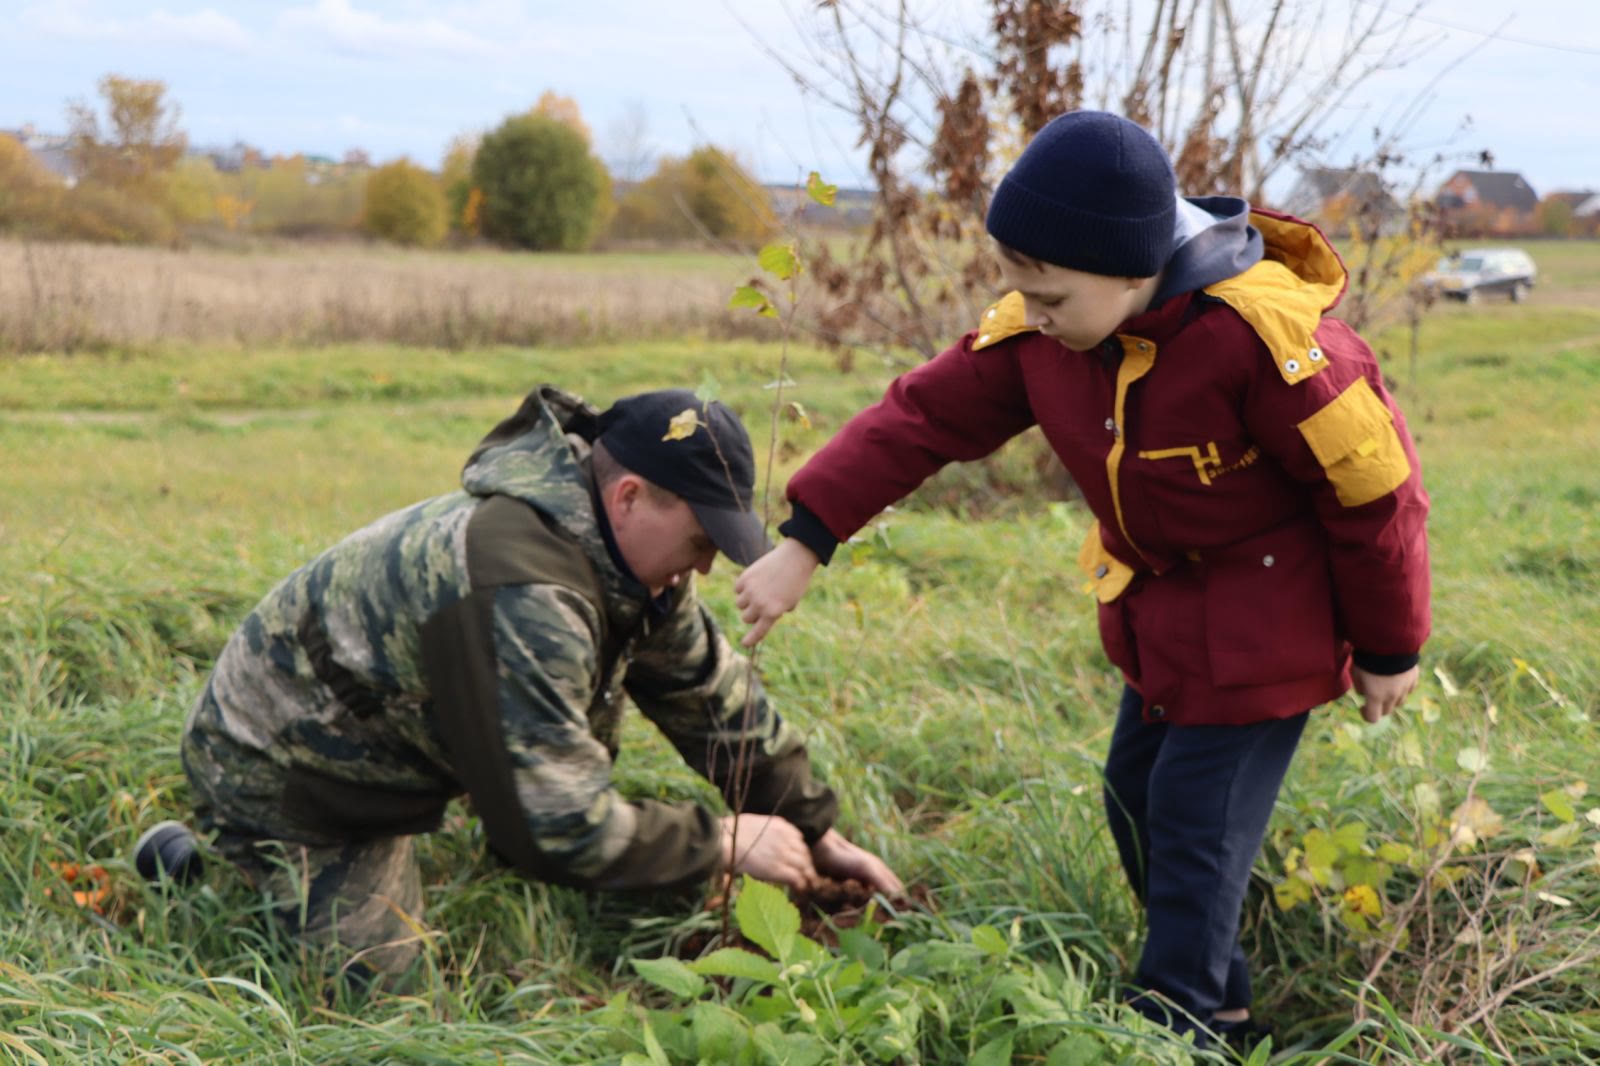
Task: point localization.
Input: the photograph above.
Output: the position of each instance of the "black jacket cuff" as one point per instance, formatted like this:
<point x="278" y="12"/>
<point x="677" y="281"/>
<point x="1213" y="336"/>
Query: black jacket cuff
<point x="1386" y="665"/>
<point x="808" y="529"/>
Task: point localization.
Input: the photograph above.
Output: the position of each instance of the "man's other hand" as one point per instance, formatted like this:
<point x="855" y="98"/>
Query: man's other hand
<point x="839" y="859"/>
<point x="770" y="587"/>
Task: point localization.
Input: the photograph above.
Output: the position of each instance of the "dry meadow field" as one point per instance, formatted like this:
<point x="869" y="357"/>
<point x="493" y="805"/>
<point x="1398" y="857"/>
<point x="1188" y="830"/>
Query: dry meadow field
<point x="77" y="297"/>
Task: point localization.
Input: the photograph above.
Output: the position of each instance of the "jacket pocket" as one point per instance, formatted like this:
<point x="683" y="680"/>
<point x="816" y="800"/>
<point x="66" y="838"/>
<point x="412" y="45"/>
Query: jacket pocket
<point x="1269" y="608"/>
<point x="1355" y="441"/>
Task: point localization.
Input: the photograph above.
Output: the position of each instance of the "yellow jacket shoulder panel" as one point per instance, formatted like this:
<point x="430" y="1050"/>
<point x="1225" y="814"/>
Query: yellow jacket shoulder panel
<point x="1006" y="317"/>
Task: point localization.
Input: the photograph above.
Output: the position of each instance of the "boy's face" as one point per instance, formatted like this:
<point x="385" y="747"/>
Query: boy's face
<point x="1078" y="309"/>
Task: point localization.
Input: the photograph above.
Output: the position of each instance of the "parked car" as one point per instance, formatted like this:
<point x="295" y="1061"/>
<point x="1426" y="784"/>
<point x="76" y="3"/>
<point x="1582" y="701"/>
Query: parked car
<point x="1469" y="275"/>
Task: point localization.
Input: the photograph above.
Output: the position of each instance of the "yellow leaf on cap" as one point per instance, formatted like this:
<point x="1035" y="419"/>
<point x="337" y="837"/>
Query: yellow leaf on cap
<point x="682" y="425"/>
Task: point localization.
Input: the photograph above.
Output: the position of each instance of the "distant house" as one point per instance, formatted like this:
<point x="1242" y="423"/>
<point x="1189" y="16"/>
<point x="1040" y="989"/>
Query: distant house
<point x="50" y="151"/>
<point x="851" y="207"/>
<point x="1586" y="216"/>
<point x="229" y="159"/>
<point x="1332" y="196"/>
<point x="1488" y="202"/>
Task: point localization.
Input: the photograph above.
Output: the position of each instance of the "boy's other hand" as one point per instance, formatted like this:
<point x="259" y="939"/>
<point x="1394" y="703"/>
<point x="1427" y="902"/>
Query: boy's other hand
<point x="770" y="587"/>
<point x="1383" y="693"/>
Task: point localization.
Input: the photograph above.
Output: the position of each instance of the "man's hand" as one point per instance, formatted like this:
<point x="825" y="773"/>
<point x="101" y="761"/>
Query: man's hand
<point x="839" y="859"/>
<point x="770" y="587"/>
<point x="769" y="849"/>
<point x="1383" y="693"/>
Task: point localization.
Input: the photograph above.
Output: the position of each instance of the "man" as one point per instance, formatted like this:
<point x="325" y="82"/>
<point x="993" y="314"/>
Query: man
<point x="482" y="642"/>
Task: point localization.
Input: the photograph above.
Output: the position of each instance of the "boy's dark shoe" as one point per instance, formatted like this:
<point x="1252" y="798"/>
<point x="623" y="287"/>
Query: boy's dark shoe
<point x="1241" y="1037"/>
<point x="168" y="850"/>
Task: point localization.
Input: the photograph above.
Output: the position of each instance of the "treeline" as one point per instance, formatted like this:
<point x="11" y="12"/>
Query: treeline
<point x="533" y="182"/>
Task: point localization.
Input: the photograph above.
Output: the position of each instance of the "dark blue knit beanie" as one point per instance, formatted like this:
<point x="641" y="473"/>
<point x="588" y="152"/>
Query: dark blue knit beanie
<point x="1093" y="192"/>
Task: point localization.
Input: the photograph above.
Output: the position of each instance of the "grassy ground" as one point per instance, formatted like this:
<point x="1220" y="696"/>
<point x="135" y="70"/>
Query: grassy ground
<point x="946" y="669"/>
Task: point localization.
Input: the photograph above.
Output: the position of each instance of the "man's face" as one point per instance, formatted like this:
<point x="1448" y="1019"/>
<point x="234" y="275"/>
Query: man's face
<point x="658" y="535"/>
<point x="1078" y="309"/>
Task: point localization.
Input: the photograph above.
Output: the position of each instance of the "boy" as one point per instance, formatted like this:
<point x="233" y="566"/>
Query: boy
<point x="1259" y="542"/>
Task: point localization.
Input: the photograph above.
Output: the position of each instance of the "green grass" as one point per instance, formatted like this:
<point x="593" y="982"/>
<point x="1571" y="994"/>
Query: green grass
<point x="946" y="668"/>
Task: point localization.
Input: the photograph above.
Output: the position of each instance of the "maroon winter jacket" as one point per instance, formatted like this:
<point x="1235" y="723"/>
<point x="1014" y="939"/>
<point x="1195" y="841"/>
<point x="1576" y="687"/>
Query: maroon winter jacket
<point x="1259" y="500"/>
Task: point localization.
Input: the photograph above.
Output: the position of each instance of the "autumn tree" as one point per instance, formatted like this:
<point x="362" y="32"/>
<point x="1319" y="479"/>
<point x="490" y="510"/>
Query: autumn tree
<point x="404" y="204"/>
<point x="455" y="176"/>
<point x="1227" y="88"/>
<point x="542" y="187"/>
<point x="29" y="194"/>
<point x="1554" y="217"/>
<point x="563" y="109"/>
<point x="706" y="195"/>
<point x="136" y="145"/>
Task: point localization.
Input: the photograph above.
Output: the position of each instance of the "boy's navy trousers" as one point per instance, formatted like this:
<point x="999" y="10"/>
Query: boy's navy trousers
<point x="1188" y="808"/>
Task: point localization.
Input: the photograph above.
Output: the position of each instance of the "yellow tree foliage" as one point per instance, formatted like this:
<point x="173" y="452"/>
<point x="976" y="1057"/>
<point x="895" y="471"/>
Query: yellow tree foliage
<point x="29" y="194"/>
<point x="233" y="211"/>
<point x="295" y="198"/>
<point x="192" y="189"/>
<point x="707" y="195"/>
<point x="138" y="143"/>
<point x="455" y="175"/>
<point x="404" y="204"/>
<point x="563" y="109"/>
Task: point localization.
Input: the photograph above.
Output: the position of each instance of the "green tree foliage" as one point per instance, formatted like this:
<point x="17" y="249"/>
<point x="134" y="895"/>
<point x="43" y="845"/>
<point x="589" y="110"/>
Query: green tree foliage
<point x="707" y="195"/>
<point x="405" y="204"/>
<point x="1555" y="218"/>
<point x="542" y="188"/>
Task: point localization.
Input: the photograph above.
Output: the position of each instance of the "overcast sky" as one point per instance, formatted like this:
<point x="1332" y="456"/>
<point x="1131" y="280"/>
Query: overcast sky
<point x="402" y="77"/>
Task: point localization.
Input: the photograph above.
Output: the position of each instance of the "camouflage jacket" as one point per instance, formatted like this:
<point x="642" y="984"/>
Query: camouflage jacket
<point x="482" y="642"/>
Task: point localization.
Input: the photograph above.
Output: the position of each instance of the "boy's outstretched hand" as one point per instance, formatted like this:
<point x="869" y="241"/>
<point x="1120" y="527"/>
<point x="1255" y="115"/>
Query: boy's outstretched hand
<point x="770" y="587"/>
<point x="1383" y="693"/>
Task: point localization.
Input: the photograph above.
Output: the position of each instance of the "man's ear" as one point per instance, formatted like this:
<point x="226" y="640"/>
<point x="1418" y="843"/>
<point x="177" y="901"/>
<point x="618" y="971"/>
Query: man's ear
<point x="624" y="493"/>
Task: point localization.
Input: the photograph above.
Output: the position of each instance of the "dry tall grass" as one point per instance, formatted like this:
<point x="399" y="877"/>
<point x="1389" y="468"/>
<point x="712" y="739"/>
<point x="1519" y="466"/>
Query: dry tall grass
<point x="73" y="297"/>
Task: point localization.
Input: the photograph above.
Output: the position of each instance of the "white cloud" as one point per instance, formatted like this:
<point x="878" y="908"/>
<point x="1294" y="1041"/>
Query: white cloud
<point x="205" y="28"/>
<point x="339" y="24"/>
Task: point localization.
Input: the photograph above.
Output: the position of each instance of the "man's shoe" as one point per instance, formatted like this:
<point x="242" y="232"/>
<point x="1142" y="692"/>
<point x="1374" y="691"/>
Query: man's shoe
<point x="168" y="850"/>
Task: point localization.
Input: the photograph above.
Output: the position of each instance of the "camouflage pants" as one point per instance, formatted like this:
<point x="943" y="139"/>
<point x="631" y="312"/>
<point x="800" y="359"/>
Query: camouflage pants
<point x="364" y="896"/>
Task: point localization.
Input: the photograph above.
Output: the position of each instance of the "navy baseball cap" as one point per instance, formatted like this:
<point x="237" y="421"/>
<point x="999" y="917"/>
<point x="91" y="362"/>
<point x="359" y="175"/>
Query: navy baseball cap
<point x="699" y="450"/>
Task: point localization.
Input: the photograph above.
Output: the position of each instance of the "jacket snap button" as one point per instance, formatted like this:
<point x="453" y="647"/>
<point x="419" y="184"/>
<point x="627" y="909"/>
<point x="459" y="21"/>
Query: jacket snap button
<point x="983" y="339"/>
<point x="1102" y="570"/>
<point x="1267" y="560"/>
<point x="1292" y="365"/>
<point x="1143" y="347"/>
<point x="1315" y="354"/>
<point x="1158" y="711"/>
<point x="1111" y="425"/>
<point x="991" y="312"/>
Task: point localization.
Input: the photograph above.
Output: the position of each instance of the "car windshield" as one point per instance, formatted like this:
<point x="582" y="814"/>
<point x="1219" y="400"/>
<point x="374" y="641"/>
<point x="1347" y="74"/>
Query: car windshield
<point x="1468" y="264"/>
